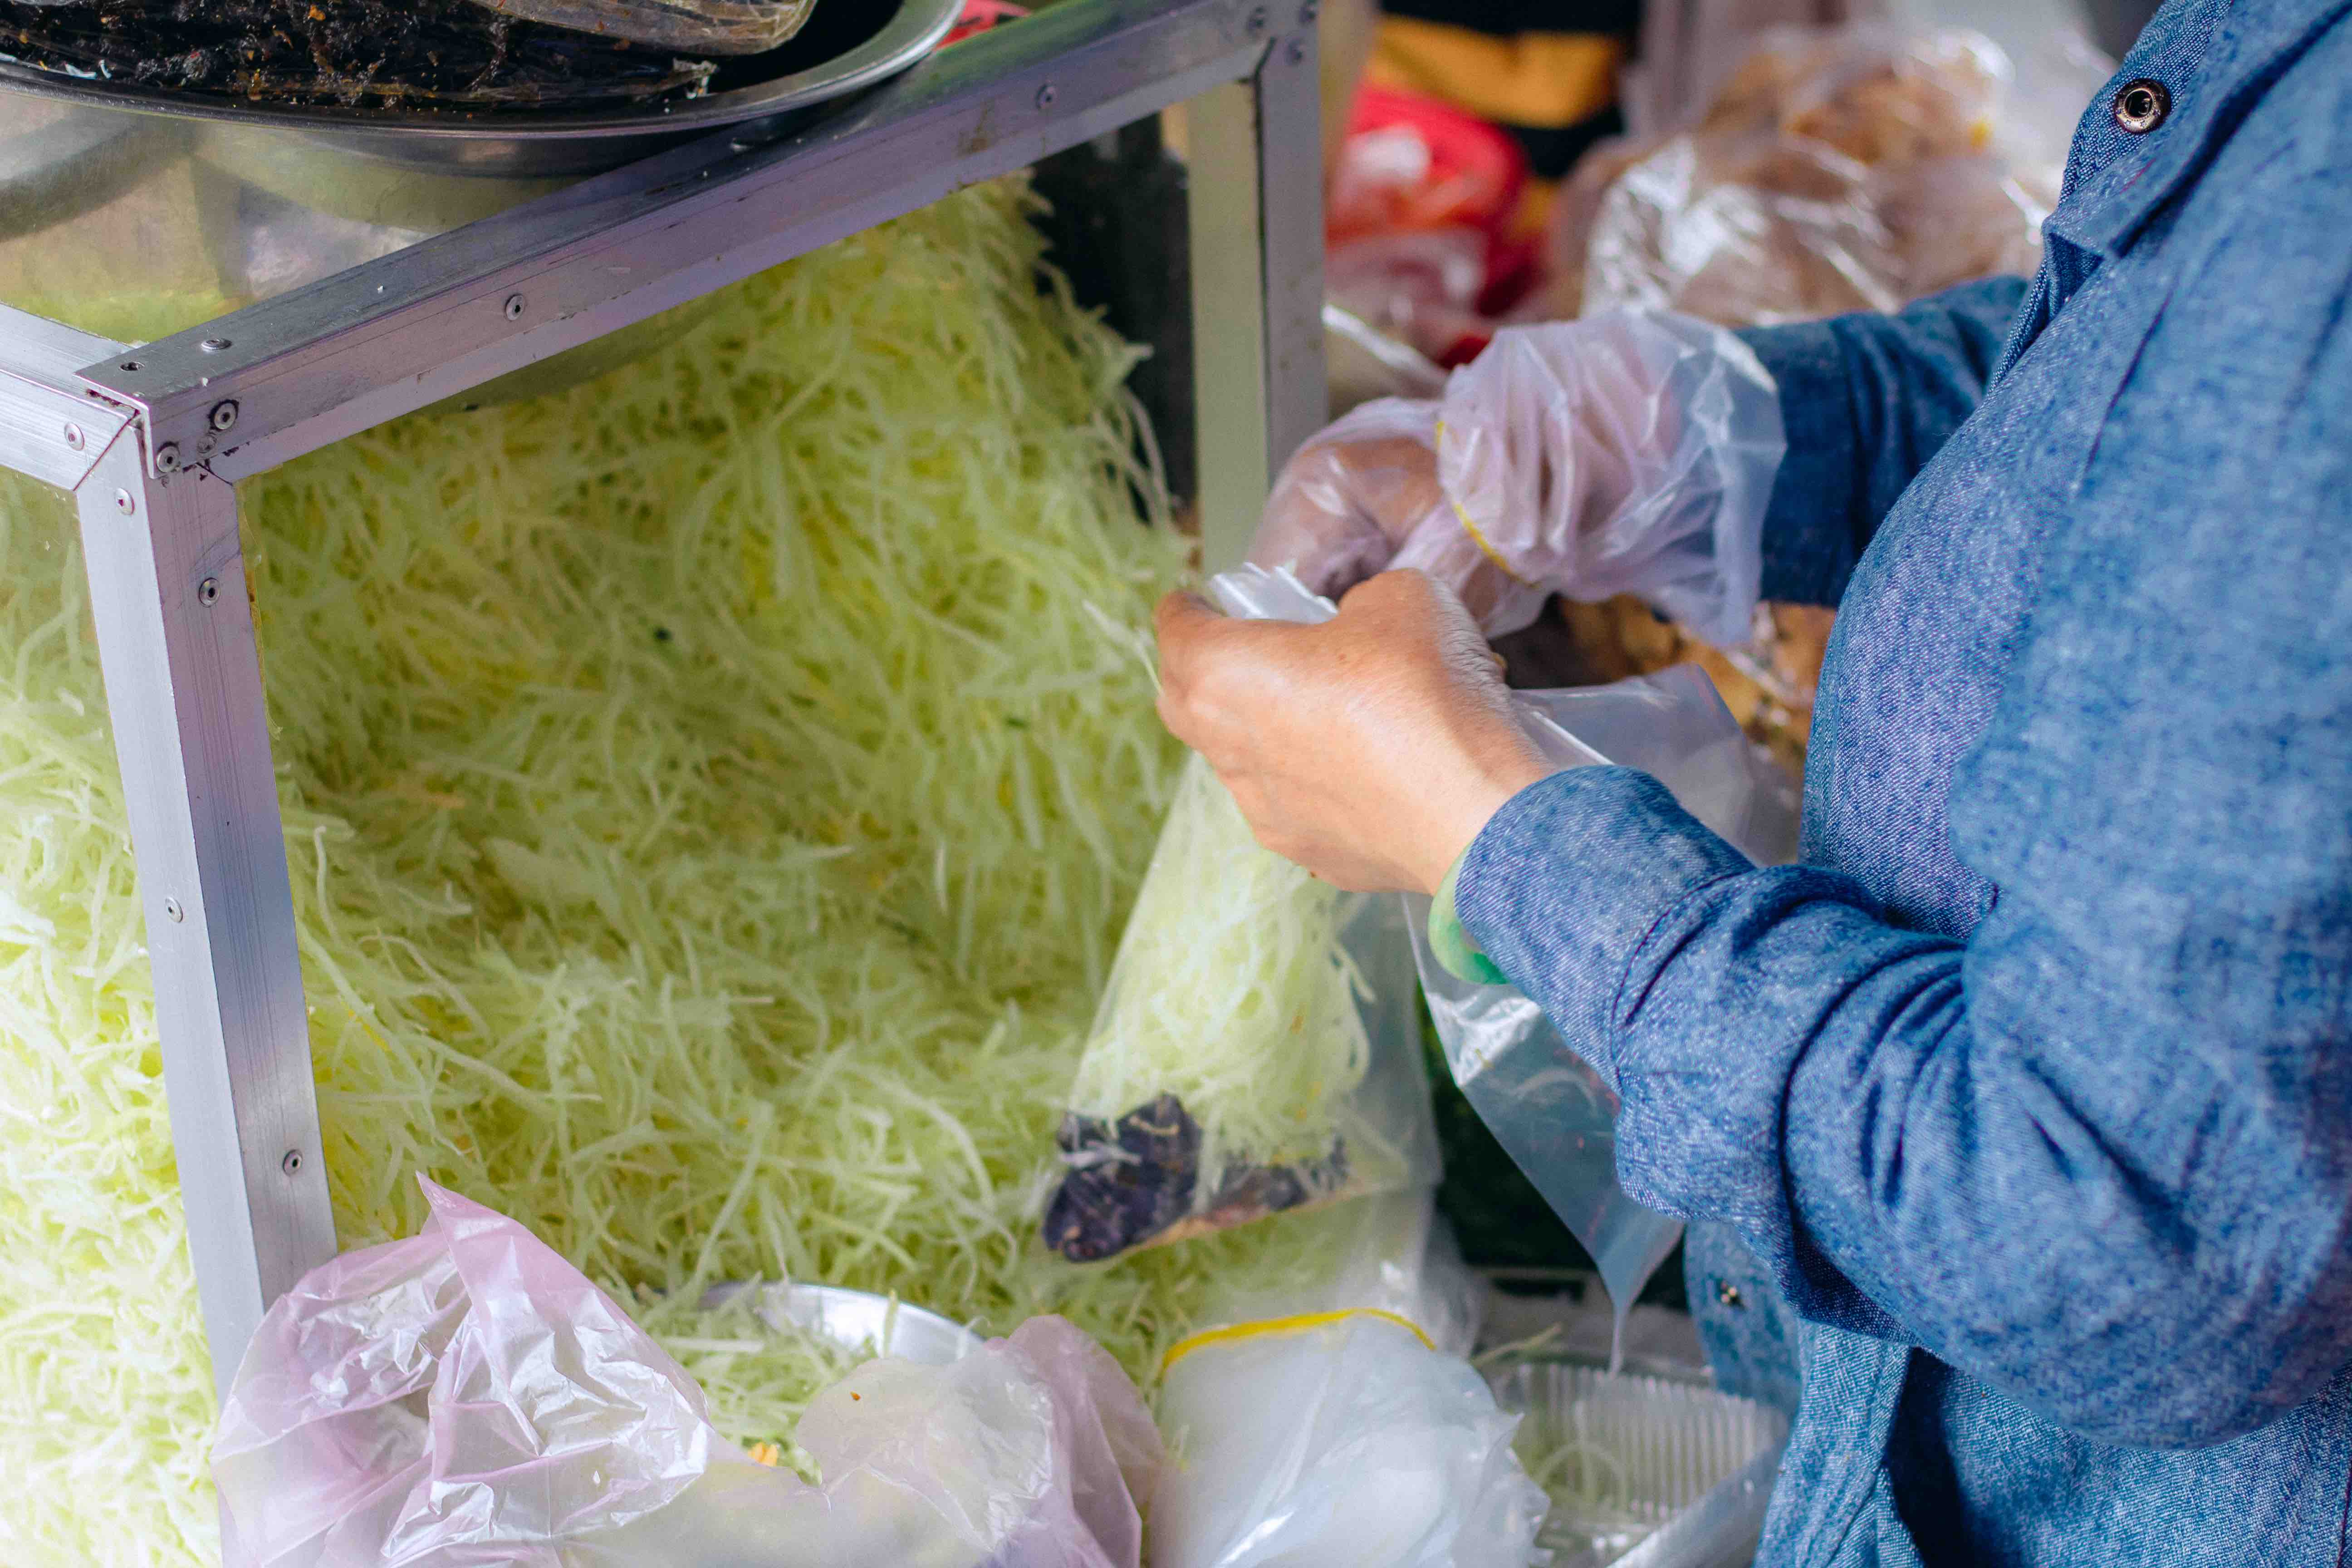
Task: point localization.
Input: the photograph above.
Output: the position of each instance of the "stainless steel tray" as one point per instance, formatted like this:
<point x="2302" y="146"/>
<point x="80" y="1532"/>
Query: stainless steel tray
<point x="509" y="144"/>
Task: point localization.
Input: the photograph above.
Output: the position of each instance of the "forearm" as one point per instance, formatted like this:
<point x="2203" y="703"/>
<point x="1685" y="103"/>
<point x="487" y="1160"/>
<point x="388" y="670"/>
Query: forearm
<point x="1866" y="400"/>
<point x="1886" y="1137"/>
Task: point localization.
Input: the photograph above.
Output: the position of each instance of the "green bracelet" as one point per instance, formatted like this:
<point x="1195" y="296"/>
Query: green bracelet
<point x="1451" y="944"/>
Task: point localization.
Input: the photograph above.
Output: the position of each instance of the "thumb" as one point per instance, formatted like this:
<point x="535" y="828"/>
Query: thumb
<point x="1181" y="621"/>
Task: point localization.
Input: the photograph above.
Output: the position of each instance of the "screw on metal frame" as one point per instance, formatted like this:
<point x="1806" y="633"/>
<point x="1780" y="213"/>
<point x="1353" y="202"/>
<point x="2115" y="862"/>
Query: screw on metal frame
<point x="1296" y="52"/>
<point x="293" y="1164"/>
<point x="208" y="590"/>
<point x="224" y="416"/>
<point x="1307" y="13"/>
<point x="213" y="345"/>
<point x="167" y="458"/>
<point x="1257" y="21"/>
<point x="74" y="439"/>
<point x="515" y="303"/>
<point x="173" y="911"/>
<point x="1045" y="96"/>
<point x="123" y="503"/>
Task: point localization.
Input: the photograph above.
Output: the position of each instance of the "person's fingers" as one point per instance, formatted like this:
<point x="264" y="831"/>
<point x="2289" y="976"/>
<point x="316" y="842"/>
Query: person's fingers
<point x="1181" y="610"/>
<point x="1214" y="670"/>
<point x="1182" y="621"/>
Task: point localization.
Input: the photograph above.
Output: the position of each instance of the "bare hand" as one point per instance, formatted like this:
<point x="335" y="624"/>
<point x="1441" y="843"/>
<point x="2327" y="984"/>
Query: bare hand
<point x="1369" y="749"/>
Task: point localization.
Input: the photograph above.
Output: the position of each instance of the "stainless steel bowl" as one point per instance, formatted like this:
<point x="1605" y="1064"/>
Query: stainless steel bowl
<point x="514" y="144"/>
<point x="853" y="1320"/>
<point x="134" y="212"/>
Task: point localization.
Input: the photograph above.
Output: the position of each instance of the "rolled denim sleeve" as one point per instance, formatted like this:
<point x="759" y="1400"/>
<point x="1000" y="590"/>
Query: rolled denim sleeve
<point x="1865" y="401"/>
<point x="2099" y="1152"/>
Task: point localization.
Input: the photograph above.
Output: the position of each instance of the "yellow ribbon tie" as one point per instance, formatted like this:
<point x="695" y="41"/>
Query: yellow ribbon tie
<point x="1234" y="1331"/>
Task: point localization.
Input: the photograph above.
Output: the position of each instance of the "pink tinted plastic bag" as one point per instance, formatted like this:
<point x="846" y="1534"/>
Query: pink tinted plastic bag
<point x="467" y="1397"/>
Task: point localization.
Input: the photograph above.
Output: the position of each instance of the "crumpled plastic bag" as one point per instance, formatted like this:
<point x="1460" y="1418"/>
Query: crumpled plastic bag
<point x="466" y="1397"/>
<point x="1854" y="168"/>
<point x="1343" y="1438"/>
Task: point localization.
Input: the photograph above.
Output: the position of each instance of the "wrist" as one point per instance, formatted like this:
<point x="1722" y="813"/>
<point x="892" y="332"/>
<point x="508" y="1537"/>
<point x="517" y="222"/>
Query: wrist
<point x="1490" y="775"/>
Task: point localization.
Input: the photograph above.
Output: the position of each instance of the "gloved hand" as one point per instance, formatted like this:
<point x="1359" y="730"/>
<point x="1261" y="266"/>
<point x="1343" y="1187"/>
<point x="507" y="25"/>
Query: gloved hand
<point x="1627" y="453"/>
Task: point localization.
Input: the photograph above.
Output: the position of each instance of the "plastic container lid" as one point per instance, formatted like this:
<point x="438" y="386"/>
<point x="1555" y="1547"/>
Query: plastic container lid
<point x="1643" y="1472"/>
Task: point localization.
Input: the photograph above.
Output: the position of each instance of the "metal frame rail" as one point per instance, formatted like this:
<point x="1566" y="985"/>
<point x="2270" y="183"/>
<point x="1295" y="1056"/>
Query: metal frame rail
<point x="152" y="438"/>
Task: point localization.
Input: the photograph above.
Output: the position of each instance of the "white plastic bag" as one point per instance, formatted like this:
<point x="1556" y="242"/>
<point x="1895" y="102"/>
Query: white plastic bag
<point x="1392" y="1253"/>
<point x="1629" y="453"/>
<point x="1256" y="1049"/>
<point x="466" y="1397"/>
<point x="1337" y="1440"/>
<point x="1534" y="1089"/>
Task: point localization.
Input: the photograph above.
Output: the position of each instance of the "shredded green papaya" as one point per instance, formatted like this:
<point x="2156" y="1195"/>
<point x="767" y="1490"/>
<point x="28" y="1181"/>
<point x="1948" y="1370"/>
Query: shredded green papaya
<point x="710" y="797"/>
<point x="1232" y="993"/>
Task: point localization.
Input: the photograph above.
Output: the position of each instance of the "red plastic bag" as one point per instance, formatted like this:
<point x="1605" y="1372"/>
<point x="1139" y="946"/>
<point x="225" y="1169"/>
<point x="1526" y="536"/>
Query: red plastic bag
<point x="1419" y="227"/>
<point x="1412" y="163"/>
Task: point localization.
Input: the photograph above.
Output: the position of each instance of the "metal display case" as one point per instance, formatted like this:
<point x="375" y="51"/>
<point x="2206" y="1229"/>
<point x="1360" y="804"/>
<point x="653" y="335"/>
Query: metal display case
<point x="152" y="438"/>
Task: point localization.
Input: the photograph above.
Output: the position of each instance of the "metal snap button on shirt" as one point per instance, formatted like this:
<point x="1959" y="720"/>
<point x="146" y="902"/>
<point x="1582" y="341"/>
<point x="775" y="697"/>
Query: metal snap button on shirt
<point x="2142" y="105"/>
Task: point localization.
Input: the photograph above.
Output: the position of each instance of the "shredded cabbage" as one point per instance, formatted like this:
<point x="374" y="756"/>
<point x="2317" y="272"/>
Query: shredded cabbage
<point x="708" y="794"/>
<point x="757" y="1377"/>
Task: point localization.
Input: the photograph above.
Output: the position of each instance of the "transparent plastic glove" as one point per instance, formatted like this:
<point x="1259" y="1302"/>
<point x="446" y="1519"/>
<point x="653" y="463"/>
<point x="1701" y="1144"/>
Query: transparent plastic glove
<point x="1626" y="453"/>
<point x="1348" y="498"/>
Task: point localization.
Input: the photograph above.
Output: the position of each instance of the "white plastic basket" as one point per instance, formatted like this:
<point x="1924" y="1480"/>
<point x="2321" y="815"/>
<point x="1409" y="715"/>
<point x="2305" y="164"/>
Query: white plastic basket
<point x="1643" y="1472"/>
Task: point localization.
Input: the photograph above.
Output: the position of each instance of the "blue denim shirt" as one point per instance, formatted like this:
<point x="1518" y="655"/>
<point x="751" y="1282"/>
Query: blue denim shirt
<point x="2029" y="1088"/>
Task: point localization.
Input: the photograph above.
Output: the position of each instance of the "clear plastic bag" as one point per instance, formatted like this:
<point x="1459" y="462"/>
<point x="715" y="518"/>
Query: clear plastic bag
<point x="1256" y="1049"/>
<point x="466" y="1397"/>
<point x="1419" y="287"/>
<point x="1339" y="1438"/>
<point x="1536" y="1091"/>
<point x="703" y="26"/>
<point x="1389" y="1253"/>
<point x="1847" y="169"/>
